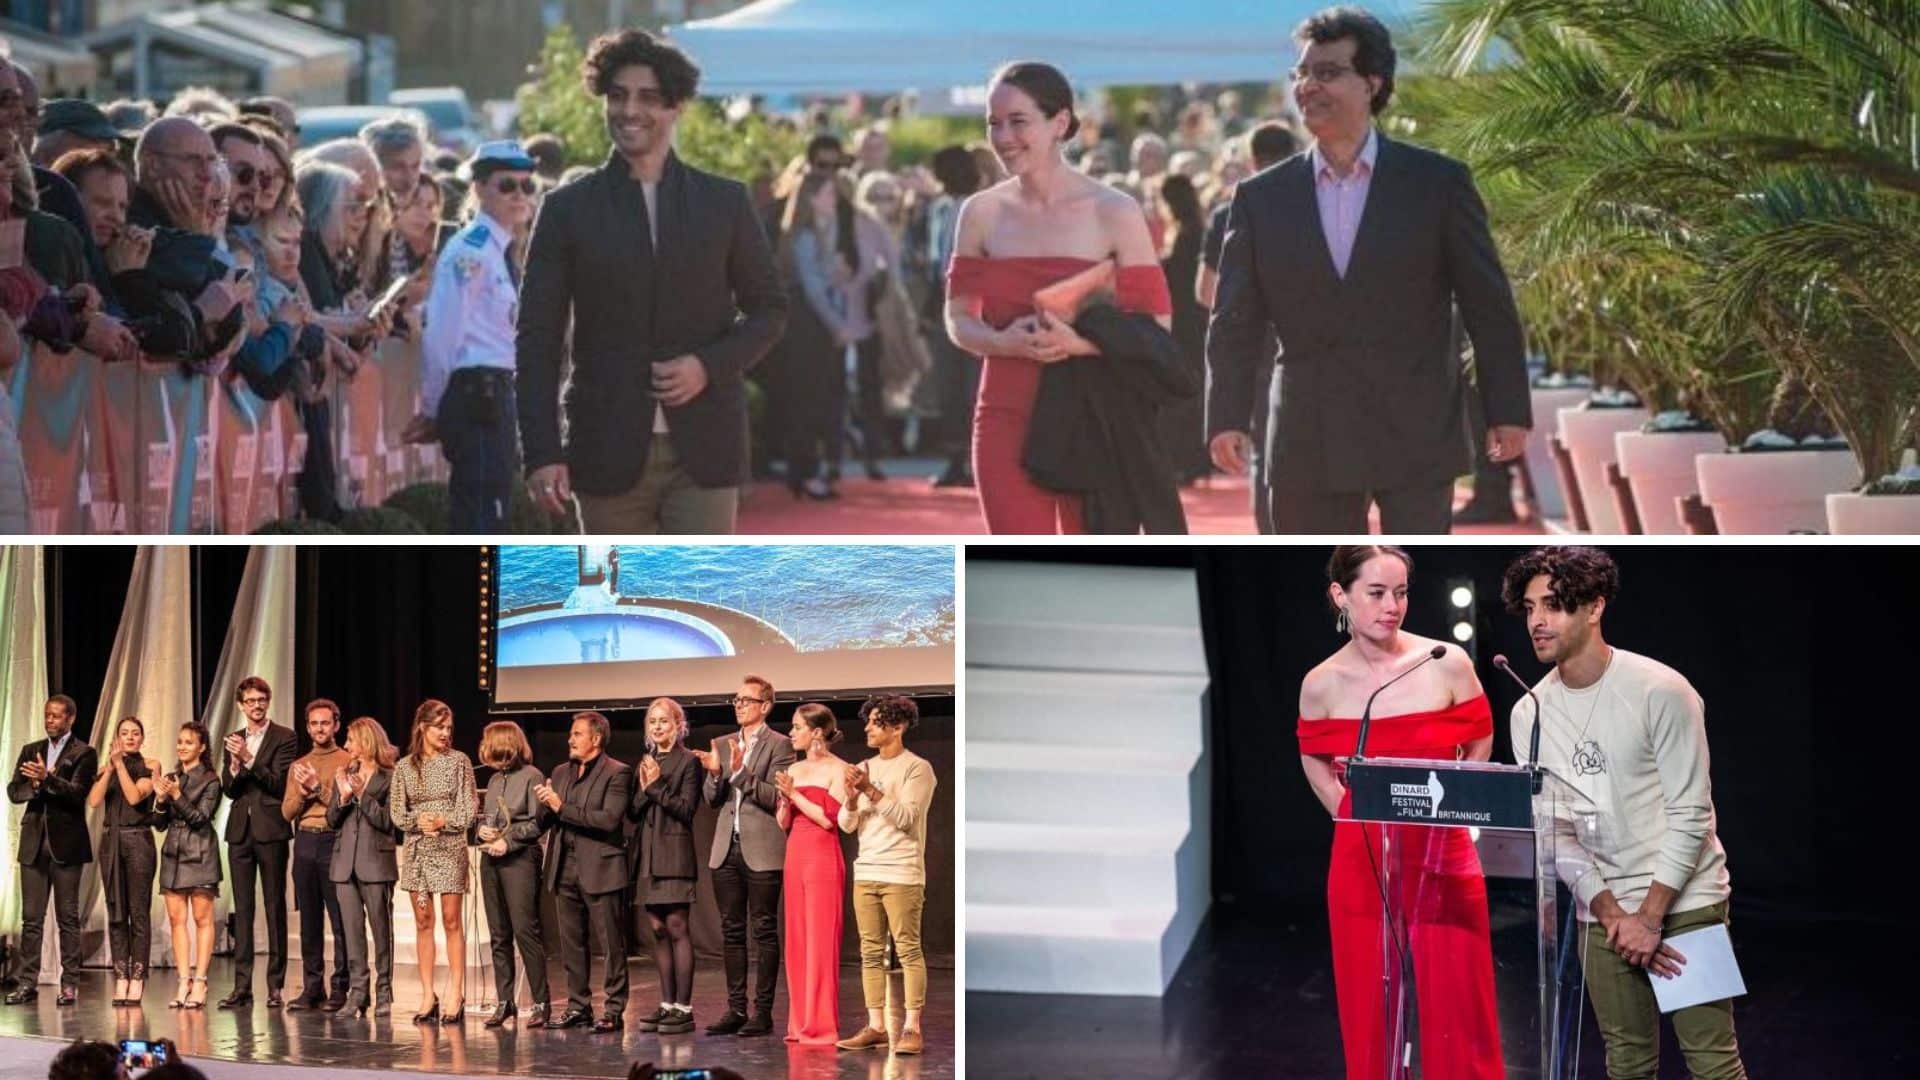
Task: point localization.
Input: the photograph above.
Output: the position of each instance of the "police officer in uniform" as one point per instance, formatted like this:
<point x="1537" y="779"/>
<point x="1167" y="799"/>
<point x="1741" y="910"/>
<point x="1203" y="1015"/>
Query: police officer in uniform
<point x="467" y="350"/>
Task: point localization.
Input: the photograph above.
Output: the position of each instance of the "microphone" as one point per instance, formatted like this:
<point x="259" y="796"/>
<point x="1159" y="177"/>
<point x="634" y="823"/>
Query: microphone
<point x="1366" y="715"/>
<point x="1533" y="747"/>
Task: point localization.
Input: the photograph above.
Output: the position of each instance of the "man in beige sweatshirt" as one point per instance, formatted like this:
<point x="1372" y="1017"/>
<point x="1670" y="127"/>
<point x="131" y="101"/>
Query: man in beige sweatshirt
<point x="305" y="808"/>
<point x="887" y="800"/>
<point x="1628" y="733"/>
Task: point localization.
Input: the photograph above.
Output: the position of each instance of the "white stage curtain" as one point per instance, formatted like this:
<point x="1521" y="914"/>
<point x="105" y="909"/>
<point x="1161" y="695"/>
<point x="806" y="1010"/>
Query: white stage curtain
<point x="149" y="675"/>
<point x="23" y="694"/>
<point x="259" y="642"/>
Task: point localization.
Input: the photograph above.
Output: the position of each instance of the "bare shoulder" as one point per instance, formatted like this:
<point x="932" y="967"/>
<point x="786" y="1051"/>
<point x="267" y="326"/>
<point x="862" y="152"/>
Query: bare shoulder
<point x="1314" y="690"/>
<point x="1125" y="224"/>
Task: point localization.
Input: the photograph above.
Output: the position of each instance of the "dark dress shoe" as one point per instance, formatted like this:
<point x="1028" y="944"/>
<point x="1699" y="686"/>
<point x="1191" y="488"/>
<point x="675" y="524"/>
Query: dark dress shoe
<point x="651" y="1021"/>
<point x="274" y="1000"/>
<point x="25" y="995"/>
<point x="609" y="1022"/>
<point x="501" y="1013"/>
<point x="69" y="995"/>
<point x="536" y="1016"/>
<point x="301" y="1003"/>
<point x="572" y="1018"/>
<point x="239" y="999"/>
<point x="759" y="1024"/>
<point x="954" y="476"/>
<point x="1485" y="513"/>
<point x="333" y="1004"/>
<point x="728" y="1024"/>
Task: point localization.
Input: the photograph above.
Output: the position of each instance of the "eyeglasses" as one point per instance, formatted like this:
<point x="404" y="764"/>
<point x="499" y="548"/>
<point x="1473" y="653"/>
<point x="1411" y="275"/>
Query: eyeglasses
<point x="252" y="702"/>
<point x="746" y="702"/>
<point x="1320" y="73"/>
<point x="506" y="185"/>
<point x="244" y="173"/>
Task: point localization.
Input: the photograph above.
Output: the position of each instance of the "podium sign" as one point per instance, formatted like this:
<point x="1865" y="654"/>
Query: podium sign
<point x="1404" y="792"/>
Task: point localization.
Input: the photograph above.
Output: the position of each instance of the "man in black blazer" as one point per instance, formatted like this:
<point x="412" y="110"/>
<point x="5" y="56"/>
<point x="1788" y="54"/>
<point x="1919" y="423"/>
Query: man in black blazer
<point x="664" y="274"/>
<point x="51" y="779"/>
<point x="1356" y="255"/>
<point x="254" y="776"/>
<point x="586" y="811"/>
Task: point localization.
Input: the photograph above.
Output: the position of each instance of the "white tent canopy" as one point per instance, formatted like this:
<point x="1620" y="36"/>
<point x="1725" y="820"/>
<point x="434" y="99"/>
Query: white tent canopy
<point x="884" y="46"/>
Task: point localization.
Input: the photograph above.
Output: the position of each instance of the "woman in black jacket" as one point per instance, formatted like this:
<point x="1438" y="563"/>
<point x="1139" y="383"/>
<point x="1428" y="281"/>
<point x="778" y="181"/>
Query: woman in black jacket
<point x="666" y="792"/>
<point x="184" y="804"/>
<point x="508" y="830"/>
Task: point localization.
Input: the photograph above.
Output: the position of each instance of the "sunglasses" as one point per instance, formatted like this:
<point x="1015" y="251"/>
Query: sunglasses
<point x="508" y="185"/>
<point x="247" y="174"/>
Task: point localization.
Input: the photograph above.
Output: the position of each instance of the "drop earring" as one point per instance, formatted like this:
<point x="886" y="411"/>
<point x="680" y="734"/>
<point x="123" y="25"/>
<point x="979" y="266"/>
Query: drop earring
<point x="1340" y="624"/>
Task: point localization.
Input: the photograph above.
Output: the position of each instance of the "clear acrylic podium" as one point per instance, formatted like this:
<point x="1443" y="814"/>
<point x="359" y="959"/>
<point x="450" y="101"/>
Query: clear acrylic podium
<point x="1522" y="840"/>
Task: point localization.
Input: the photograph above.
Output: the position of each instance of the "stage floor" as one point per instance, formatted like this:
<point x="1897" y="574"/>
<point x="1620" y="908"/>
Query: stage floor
<point x="213" y="1037"/>
<point x="1254" y="997"/>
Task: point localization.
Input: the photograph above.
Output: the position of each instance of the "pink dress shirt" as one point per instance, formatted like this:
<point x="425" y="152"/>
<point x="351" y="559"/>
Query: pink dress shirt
<point x="1343" y="200"/>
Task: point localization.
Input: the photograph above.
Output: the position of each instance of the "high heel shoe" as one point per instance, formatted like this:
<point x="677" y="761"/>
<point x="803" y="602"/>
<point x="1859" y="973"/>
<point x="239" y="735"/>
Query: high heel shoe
<point x="193" y="1002"/>
<point x="136" y="990"/>
<point x="431" y="1016"/>
<point x="355" y="1005"/>
<point x="180" y="993"/>
<point x="119" y="991"/>
<point x="456" y="1013"/>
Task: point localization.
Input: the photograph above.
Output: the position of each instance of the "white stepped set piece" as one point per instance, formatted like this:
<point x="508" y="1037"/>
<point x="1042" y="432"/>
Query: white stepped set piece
<point x="1088" y="861"/>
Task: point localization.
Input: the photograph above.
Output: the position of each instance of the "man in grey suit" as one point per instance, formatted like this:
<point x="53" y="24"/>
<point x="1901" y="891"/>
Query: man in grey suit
<point x="749" y="850"/>
<point x="1356" y="255"/>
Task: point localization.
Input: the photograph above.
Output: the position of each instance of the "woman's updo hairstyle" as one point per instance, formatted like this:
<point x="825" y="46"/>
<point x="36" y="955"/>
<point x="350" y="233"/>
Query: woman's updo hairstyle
<point x="819" y="718"/>
<point x="1343" y="569"/>
<point x="1046" y="85"/>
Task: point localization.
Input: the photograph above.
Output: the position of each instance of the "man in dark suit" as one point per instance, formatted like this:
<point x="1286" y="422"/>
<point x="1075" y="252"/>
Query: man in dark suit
<point x="748" y="854"/>
<point x="586" y="812"/>
<point x="1356" y="255"/>
<point x="254" y="777"/>
<point x="51" y="779"/>
<point x="672" y="294"/>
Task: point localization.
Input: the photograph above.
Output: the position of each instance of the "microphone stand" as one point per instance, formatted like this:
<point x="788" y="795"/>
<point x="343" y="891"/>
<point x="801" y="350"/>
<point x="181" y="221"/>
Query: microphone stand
<point x="1533" y="741"/>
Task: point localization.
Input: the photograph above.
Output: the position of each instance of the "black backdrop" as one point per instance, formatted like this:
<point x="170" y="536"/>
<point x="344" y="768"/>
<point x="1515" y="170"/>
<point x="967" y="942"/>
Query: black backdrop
<point x="1801" y="652"/>
<point x="382" y="628"/>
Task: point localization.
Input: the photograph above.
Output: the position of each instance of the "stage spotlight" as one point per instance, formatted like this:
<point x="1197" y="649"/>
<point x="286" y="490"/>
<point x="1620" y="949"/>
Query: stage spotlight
<point x="1463" y="603"/>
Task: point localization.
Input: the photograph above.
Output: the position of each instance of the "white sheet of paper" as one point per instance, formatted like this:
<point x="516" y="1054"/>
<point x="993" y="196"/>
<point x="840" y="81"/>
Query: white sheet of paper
<point x="1710" y="973"/>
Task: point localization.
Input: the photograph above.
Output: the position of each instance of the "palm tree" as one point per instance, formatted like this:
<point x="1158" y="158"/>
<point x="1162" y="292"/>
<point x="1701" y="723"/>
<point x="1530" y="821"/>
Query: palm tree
<point x="1707" y="197"/>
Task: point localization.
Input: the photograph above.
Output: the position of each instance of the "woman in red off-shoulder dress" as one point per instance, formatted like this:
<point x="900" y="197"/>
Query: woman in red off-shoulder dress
<point x="1438" y="712"/>
<point x="1046" y="222"/>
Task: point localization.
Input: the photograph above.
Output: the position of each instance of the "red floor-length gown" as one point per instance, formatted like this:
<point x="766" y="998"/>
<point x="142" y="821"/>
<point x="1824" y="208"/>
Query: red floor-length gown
<point x="1440" y="894"/>
<point x="815" y="880"/>
<point x="1010" y="501"/>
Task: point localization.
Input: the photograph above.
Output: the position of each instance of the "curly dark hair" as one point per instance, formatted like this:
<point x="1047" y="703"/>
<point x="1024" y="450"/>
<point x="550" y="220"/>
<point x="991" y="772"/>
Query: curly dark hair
<point x="1578" y="576"/>
<point x="1373" y="53"/>
<point x="678" y="75"/>
<point x="895" y="710"/>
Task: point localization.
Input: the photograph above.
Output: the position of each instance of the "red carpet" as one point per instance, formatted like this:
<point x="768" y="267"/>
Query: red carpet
<point x="907" y="504"/>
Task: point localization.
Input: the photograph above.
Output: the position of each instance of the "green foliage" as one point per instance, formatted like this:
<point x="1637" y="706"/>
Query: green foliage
<point x="915" y="138"/>
<point x="297" y="527"/>
<point x="424" y="503"/>
<point x="1714" y="202"/>
<point x="556" y="102"/>
<point x="380" y="521"/>
<point x="755" y="149"/>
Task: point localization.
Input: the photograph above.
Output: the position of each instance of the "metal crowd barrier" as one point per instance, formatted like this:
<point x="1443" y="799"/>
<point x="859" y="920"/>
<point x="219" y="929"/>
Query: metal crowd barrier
<point x="147" y="448"/>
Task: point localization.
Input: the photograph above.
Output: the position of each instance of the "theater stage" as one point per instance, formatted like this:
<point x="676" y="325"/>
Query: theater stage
<point x="224" y="1044"/>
